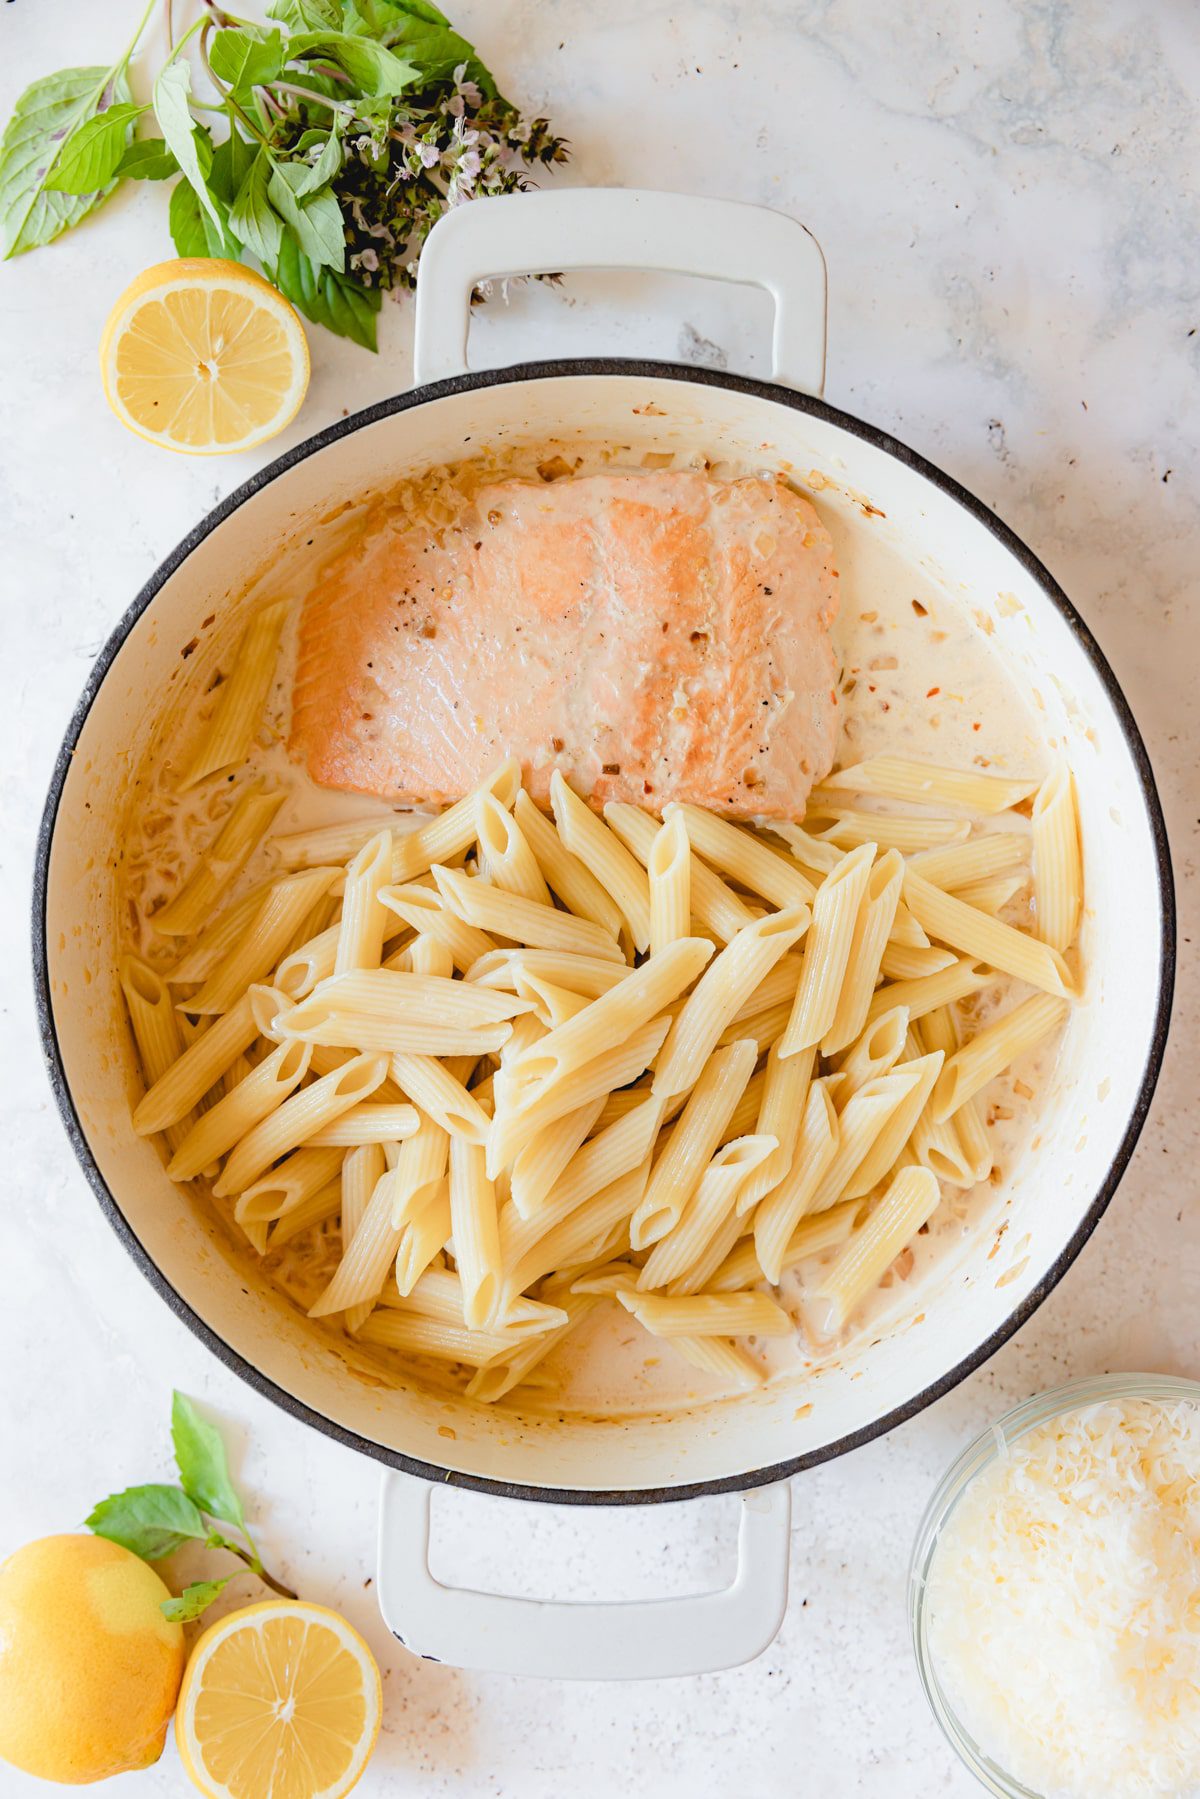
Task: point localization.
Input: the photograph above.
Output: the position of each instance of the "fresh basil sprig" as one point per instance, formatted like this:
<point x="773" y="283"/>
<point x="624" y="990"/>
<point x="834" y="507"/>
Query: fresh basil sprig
<point x="155" y="1520"/>
<point x="325" y="145"/>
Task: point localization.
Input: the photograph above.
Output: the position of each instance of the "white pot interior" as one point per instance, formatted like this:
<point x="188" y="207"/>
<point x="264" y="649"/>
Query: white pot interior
<point x="978" y="1283"/>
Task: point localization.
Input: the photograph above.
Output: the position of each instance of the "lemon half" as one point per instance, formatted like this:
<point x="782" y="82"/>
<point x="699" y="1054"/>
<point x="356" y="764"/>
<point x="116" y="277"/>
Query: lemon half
<point x="281" y="1698"/>
<point x="204" y="357"/>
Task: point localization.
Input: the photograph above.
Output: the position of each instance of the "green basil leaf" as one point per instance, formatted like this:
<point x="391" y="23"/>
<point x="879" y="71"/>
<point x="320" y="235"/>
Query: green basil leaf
<point x="200" y="1458"/>
<point x="252" y="219"/>
<point x="151" y="1521"/>
<point x="306" y="15"/>
<point x="171" y="91"/>
<point x="371" y="65"/>
<point x="91" y="155"/>
<point x="324" y="169"/>
<point x="193" y="232"/>
<point x="337" y="302"/>
<point x="43" y="121"/>
<point x="418" y="9"/>
<point x="245" y="57"/>
<point x="193" y="1600"/>
<point x="148" y="159"/>
<point x="231" y="163"/>
<point x="317" y="221"/>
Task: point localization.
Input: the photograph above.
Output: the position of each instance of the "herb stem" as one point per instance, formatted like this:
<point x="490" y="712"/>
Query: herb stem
<point x="132" y="45"/>
<point x="228" y="103"/>
<point x="308" y="93"/>
<point x="255" y="1566"/>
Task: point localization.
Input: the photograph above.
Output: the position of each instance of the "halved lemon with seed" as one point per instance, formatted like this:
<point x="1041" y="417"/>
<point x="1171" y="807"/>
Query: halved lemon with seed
<point x="281" y="1699"/>
<point x="204" y="357"/>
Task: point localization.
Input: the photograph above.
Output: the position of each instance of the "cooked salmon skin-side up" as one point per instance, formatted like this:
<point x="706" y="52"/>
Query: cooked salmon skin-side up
<point x="658" y="636"/>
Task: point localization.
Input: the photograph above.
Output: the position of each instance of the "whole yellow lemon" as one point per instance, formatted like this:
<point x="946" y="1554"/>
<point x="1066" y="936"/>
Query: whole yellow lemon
<point x="89" y="1667"/>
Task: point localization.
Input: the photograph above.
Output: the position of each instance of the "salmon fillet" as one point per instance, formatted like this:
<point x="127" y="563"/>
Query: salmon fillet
<point x="658" y="636"/>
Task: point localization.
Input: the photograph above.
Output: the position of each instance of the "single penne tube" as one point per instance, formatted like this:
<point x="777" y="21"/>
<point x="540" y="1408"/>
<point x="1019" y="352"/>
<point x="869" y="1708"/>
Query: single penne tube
<point x="432" y="1086"/>
<point x="744" y="857"/>
<point x="896" y="1130"/>
<point x="777" y="988"/>
<point x="609" y="1278"/>
<point x="324" y="844"/>
<point x="237" y="713"/>
<point x="924" y="784"/>
<point x="992" y="1049"/>
<point x="553" y="1005"/>
<point x="960" y="864"/>
<point x="847" y="829"/>
<point x="910" y="1201"/>
<point x="937" y="1030"/>
<point x="879" y="1048"/>
<point x="418" y="1168"/>
<point x="994" y="894"/>
<point x="572" y="1239"/>
<point x="316" y="1208"/>
<point x="715" y="906"/>
<point x="587" y="975"/>
<point x="327" y="910"/>
<point x="422" y="1237"/>
<point x="427" y="955"/>
<point x="373" y="1122"/>
<point x="572" y="880"/>
<point x="509" y="915"/>
<point x="860" y="1122"/>
<point x="507" y="858"/>
<point x="599" y="1162"/>
<point x="1057" y="859"/>
<point x="267" y="937"/>
<point x="949" y="921"/>
<point x="905" y="929"/>
<point x="900" y="963"/>
<point x="222" y="862"/>
<point x="721" y="990"/>
<point x="708" y="1314"/>
<point x="536" y="1170"/>
<point x="709" y="1207"/>
<point x="210" y="946"/>
<point x="677" y="1170"/>
<point x="413" y="1333"/>
<point x="362" y="1171"/>
<point x="251" y="1100"/>
<point x="476" y="1233"/>
<point x="594" y="1254"/>
<point x="513" y="1128"/>
<point x="384" y="1003"/>
<point x="328" y="1061"/>
<point x="868" y="942"/>
<point x="765" y="1028"/>
<point x="236" y="1073"/>
<point x="929" y="992"/>
<point x="425" y="911"/>
<point x="934" y="1142"/>
<point x="815" y="853"/>
<point x="827" y="950"/>
<point x="511" y="1367"/>
<point x="784" y="1096"/>
<point x="300" y="970"/>
<point x="696" y="1275"/>
<point x="668" y="869"/>
<point x="439" y="1294"/>
<point x="615" y="1016"/>
<point x="453" y="830"/>
<point x="158" y="1035"/>
<point x="721" y="1357"/>
<point x="301" y="1116"/>
<point x="601" y="851"/>
<point x="364" y="922"/>
<point x="811" y="1237"/>
<point x="200" y="1066"/>
<point x="625" y="1099"/>
<point x="360" y="1275"/>
<point x="744" y="1116"/>
<point x="526" y="1031"/>
<point x="781" y="1209"/>
<point x="294" y="1182"/>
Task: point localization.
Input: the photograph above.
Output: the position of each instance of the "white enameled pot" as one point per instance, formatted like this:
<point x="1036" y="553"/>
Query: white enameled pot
<point x="1105" y="1074"/>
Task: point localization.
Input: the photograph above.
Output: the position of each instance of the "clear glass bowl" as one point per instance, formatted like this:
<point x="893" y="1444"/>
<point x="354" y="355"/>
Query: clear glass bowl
<point x="980" y="1454"/>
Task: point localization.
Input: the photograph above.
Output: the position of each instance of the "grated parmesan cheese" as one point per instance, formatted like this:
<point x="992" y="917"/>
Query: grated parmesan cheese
<point x="1063" y="1604"/>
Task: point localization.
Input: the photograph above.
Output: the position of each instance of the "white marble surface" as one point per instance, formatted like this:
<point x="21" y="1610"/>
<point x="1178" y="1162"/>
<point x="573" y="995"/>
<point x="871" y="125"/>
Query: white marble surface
<point x="1007" y="198"/>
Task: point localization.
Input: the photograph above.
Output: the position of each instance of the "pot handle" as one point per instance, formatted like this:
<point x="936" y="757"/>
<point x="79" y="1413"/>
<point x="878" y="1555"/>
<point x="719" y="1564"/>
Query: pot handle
<point x="555" y="1640"/>
<point x="622" y="228"/>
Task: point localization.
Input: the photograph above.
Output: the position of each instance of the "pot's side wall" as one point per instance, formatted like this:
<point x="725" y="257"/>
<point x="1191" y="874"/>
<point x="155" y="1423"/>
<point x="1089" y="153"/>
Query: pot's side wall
<point x="974" y="1293"/>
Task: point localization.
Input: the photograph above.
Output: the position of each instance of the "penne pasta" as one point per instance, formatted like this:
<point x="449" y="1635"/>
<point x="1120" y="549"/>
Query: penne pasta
<point x="237" y="715"/>
<point x="587" y="975"/>
<point x="708" y="1315"/>
<point x="896" y="1129"/>
<point x="744" y="857"/>
<point x="505" y="854"/>
<point x="439" y="1294"/>
<point x="715" y="907"/>
<point x="475" y="1231"/>
<point x="418" y="1168"/>
<point x="868" y="944"/>
<point x="292" y="1184"/>
<point x="410" y="1013"/>
<point x="509" y="915"/>
<point x="848" y="829"/>
<point x="360" y="1274"/>
<point x="436" y="1090"/>
<point x="728" y="981"/>
<point x="373" y="1122"/>
<point x="321" y="845"/>
<point x="910" y="1201"/>
<point x="993" y="1048"/>
<point x="453" y="830"/>
<point x="937" y="1030"/>
<point x="362" y="1171"/>
<point x="552" y="1005"/>
<point x="900" y="963"/>
<point x="317" y="1208"/>
<point x="426" y="912"/>
<point x="676" y="1172"/>
<point x="245" y="1105"/>
<point x="811" y="1237"/>
<point x="423" y="1234"/>
<point x="266" y="938"/>
<point x="779" y="1212"/>
<point x="604" y="855"/>
<point x="537" y="1167"/>
<point x="994" y="894"/>
<point x="720" y="1356"/>
<point x="511" y="1367"/>
<point x="158" y="1036"/>
<point x="1057" y="862"/>
<point x="214" y="942"/>
<point x="572" y="880"/>
<point x="200" y="1066"/>
<point x="827" y="951"/>
<point x="299" y="1117"/>
<point x="878" y="1049"/>
<point x="573" y="1239"/>
<point x="896" y="778"/>
<point x="934" y="1142"/>
<point x="929" y="992"/>
<point x="957" y="866"/>
<point x="668" y="869"/>
<point x="707" y="1210"/>
<point x="860" y="1122"/>
<point x="364" y="922"/>
<point x="221" y="863"/>
<point x="414" y="1333"/>
<point x="949" y="921"/>
<point x="781" y="1109"/>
